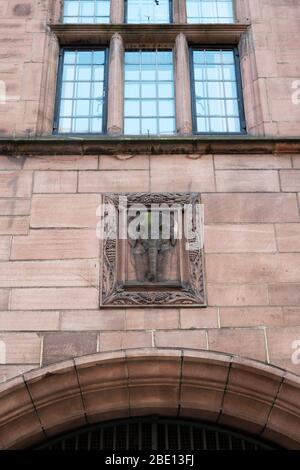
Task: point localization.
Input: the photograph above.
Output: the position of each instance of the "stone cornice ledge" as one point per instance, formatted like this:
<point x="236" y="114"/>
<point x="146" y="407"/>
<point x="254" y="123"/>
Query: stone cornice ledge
<point x="89" y="145"/>
<point x="76" y="34"/>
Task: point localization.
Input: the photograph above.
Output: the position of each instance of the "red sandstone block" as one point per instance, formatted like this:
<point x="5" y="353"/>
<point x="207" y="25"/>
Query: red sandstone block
<point x="252" y="316"/>
<point x="182" y="173"/>
<point x="253" y="268"/>
<point x="65" y="210"/>
<point x="15" y="183"/>
<point x="9" y="372"/>
<point x="10" y="162"/>
<point x="250" y="208"/>
<point x="296" y="161"/>
<point x="124" y="340"/>
<point x="14" y="206"/>
<point x="156" y="319"/>
<point x="247" y="181"/>
<point x="291" y="316"/>
<point x="4" y="299"/>
<point x="252" y="162"/>
<point x="124" y="162"/>
<point x="14" y="225"/>
<point x="55" y="182"/>
<point x="29" y="321"/>
<point x="284" y="294"/>
<point x="93" y="320"/>
<point x="181" y="339"/>
<point x="57" y="273"/>
<point x="115" y="181"/>
<point x="283" y="344"/>
<point x="61" y="162"/>
<point x="56" y="244"/>
<point x="290" y="180"/>
<point x="242" y="342"/>
<point x="32" y="81"/>
<point x="55" y="299"/>
<point x="198" y="318"/>
<point x="62" y="346"/>
<point x="22" y="348"/>
<point x="288" y="237"/>
<point x="227" y="295"/>
<point x="5" y="243"/>
<point x="239" y="238"/>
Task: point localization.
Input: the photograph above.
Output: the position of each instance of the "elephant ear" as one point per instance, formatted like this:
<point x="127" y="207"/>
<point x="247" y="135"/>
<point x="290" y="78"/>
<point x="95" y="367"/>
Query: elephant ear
<point x="132" y="242"/>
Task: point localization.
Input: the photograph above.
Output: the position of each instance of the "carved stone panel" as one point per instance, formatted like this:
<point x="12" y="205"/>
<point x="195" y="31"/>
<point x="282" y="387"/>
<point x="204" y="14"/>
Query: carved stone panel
<point x="152" y="250"/>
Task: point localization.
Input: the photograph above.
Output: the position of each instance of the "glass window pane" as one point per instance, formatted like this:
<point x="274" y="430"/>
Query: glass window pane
<point x="132" y="90"/>
<point x="66" y="107"/>
<point x="84" y="72"/>
<point x="132" y="72"/>
<point x="234" y="125"/>
<point x="165" y="72"/>
<point x="215" y="87"/>
<point x="210" y="11"/>
<point x="152" y="96"/>
<point x="148" y="90"/>
<point x="165" y="90"/>
<point x="148" y="72"/>
<point x="97" y="108"/>
<point x="81" y="94"/>
<point x="167" y="108"/>
<point x="149" y="126"/>
<point x="131" y="126"/>
<point x="149" y="108"/>
<point x="96" y="125"/>
<point x="82" y="108"/>
<point x="132" y="108"/>
<point x="167" y="126"/>
<point x="84" y="58"/>
<point x="65" y="125"/>
<point x="81" y="125"/>
<point x="83" y="89"/>
<point x="148" y="11"/>
<point x="86" y="11"/>
<point x="69" y="73"/>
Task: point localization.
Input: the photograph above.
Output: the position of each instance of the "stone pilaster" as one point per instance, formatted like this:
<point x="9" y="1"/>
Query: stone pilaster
<point x="115" y="88"/>
<point x="117" y="11"/>
<point x="179" y="11"/>
<point x="183" y="86"/>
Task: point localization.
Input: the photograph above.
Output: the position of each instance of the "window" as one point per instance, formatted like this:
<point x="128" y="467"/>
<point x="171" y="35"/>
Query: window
<point x="81" y="99"/>
<point x="217" y="100"/>
<point x="86" y="11"/>
<point x="149" y="93"/>
<point x="210" y="11"/>
<point x="148" y="11"/>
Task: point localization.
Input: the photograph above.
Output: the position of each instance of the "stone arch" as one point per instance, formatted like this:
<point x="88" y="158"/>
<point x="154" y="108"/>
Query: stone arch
<point x="244" y="394"/>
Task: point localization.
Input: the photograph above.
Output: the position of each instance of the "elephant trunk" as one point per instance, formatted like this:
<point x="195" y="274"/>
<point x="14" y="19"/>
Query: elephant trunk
<point x="152" y="274"/>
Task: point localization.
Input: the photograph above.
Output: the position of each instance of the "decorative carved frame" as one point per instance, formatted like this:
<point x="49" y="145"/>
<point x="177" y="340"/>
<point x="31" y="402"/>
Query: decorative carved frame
<point x="113" y="290"/>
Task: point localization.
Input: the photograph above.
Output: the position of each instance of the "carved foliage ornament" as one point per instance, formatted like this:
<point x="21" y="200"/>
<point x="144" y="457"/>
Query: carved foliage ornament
<point x="152" y="250"/>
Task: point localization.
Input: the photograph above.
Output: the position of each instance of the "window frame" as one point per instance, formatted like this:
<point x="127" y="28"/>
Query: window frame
<point x="151" y="49"/>
<point x="240" y="98"/>
<point x="171" y="15"/>
<point x="59" y="90"/>
<point x="62" y="16"/>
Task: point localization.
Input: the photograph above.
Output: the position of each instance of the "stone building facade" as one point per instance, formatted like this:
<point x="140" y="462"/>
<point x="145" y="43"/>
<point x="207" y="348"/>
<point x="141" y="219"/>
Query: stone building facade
<point x="64" y="361"/>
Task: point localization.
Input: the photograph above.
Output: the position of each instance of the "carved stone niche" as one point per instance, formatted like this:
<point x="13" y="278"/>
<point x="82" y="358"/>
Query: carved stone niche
<point x="152" y="250"/>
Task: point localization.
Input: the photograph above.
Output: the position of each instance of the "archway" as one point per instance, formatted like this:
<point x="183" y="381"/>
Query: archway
<point x="246" y="395"/>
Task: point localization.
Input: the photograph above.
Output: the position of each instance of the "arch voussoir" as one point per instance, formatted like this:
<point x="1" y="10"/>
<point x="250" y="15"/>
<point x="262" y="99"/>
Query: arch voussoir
<point x="245" y="394"/>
